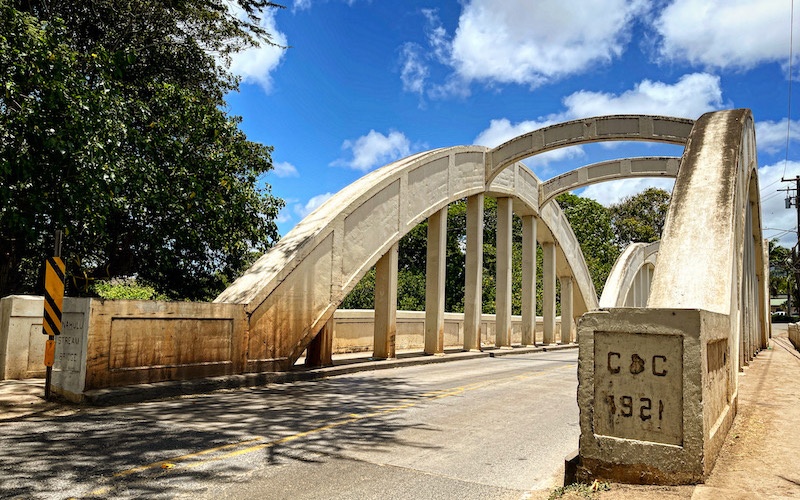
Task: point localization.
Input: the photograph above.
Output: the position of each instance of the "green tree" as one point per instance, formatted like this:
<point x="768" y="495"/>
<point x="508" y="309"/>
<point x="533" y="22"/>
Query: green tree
<point x="782" y="274"/>
<point x="112" y="127"/>
<point x="641" y="217"/>
<point x="591" y="224"/>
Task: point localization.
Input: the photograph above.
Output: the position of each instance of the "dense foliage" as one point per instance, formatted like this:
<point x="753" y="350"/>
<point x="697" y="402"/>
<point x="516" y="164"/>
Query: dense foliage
<point x="640" y="218"/>
<point x="112" y="127"/>
<point x="782" y="274"/>
<point x="591" y="223"/>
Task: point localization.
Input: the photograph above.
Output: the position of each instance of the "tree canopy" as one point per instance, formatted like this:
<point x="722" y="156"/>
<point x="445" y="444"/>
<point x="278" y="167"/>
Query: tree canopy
<point x="113" y="128"/>
<point x="640" y="218"/>
<point x="591" y="223"/>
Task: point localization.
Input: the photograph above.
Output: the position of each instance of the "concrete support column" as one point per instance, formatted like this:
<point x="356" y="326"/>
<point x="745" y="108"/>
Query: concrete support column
<point x="473" y="281"/>
<point x="503" y="281"/>
<point x="386" y="305"/>
<point x="434" y="282"/>
<point x="320" y="350"/>
<point x="566" y="309"/>
<point x="528" y="280"/>
<point x="549" y="292"/>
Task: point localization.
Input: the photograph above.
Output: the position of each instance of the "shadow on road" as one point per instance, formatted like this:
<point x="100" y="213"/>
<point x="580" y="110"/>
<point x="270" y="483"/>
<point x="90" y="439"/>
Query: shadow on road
<point x="172" y="447"/>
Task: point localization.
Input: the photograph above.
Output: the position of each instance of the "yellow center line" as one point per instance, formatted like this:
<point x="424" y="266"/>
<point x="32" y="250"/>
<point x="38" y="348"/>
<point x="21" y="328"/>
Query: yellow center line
<point x="243" y="448"/>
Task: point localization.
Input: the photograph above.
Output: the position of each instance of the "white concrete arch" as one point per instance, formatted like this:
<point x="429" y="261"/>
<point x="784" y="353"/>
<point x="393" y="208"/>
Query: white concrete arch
<point x="587" y="130"/>
<point x="706" y="315"/>
<point x="628" y="284"/>
<point x="653" y="166"/>
<point x="291" y="292"/>
<point x="711" y="254"/>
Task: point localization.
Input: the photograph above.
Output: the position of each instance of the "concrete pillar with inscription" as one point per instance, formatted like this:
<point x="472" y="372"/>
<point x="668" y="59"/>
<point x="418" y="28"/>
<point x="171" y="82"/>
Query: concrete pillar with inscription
<point x="528" y="280"/>
<point x="503" y="281"/>
<point x="473" y="280"/>
<point x="435" y="281"/>
<point x="549" y="291"/>
<point x="650" y="410"/>
<point x="385" y="329"/>
<point x="566" y="309"/>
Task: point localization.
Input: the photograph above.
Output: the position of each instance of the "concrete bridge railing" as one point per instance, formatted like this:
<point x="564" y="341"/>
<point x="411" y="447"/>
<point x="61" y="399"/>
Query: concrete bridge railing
<point x="794" y="334"/>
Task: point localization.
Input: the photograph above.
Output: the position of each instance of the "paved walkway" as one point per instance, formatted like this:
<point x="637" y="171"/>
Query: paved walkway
<point x="760" y="458"/>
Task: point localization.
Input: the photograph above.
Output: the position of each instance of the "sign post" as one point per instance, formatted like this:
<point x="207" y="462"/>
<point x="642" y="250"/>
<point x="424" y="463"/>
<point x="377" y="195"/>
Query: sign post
<point x="53" y="304"/>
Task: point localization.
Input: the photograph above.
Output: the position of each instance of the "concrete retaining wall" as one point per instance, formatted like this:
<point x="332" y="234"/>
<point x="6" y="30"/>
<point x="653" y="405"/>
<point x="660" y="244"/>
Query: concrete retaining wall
<point x="794" y="334"/>
<point x="132" y="342"/>
<point x="21" y="338"/>
<point x="117" y="343"/>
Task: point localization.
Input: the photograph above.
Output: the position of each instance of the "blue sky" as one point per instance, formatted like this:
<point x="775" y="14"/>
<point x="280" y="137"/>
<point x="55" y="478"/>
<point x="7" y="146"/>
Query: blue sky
<point x="365" y="82"/>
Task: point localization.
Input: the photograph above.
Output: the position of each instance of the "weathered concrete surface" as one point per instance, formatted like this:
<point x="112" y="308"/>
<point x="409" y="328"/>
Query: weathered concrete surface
<point x="587" y="130"/>
<point x="706" y="307"/>
<point x="794" y="334"/>
<point x="628" y="284"/>
<point x="295" y="288"/>
<point x="21" y="338"/>
<point x="660" y="166"/>
<point x="127" y="342"/>
<point x="650" y="387"/>
<point x="756" y="461"/>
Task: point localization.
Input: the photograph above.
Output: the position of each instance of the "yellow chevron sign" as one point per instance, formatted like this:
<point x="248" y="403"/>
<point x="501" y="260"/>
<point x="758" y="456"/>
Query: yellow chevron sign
<point x="53" y="296"/>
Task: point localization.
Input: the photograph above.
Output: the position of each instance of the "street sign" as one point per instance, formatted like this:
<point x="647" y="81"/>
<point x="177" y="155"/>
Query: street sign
<point x="53" y="296"/>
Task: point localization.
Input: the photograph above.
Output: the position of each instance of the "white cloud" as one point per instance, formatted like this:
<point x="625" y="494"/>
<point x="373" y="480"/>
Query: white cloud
<point x="438" y="39"/>
<point x="518" y="41"/>
<point x="311" y="205"/>
<point x="414" y="70"/>
<point x="375" y="149"/>
<point x="283" y="215"/>
<point x="608" y="193"/>
<point x="776" y="219"/>
<point x="255" y="64"/>
<point x="771" y="136"/>
<point x="285" y="169"/>
<point x="690" y="97"/>
<point x="301" y="5"/>
<point x="726" y="33"/>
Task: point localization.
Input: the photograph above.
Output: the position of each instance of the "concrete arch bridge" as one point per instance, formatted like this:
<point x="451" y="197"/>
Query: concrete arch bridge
<point x="659" y="364"/>
<point x="659" y="353"/>
<point x="291" y="293"/>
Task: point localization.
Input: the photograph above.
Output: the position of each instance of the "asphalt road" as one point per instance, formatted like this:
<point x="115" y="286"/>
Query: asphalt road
<point x="484" y="428"/>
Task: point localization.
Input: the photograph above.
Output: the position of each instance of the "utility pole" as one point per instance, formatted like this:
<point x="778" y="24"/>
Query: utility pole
<point x="792" y="201"/>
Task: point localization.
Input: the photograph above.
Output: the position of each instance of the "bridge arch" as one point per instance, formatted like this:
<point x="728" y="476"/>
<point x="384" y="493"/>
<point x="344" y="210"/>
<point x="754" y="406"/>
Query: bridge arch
<point x="293" y="290"/>
<point x="628" y="284"/>
<point x="659" y="166"/>
<point x="707" y="312"/>
<point x="584" y="131"/>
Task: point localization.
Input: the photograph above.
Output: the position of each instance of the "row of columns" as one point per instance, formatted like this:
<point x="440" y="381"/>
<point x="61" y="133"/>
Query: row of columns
<point x="386" y="284"/>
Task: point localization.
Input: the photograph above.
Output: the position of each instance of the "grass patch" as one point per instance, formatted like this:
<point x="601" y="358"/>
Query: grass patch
<point x="579" y="490"/>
